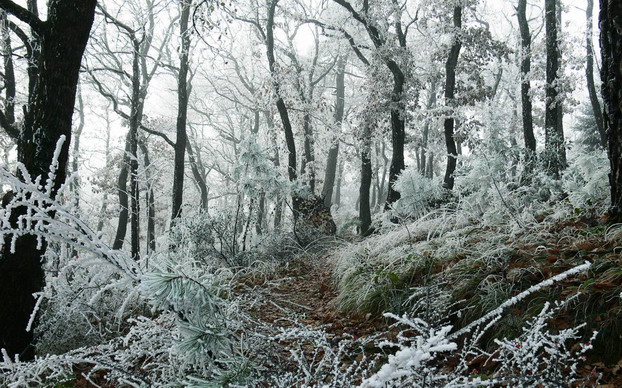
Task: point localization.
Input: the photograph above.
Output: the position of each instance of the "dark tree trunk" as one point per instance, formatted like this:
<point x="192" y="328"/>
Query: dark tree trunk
<point x="135" y="118"/>
<point x="260" y="214"/>
<point x="119" y="238"/>
<point x="149" y="199"/>
<point x="280" y="104"/>
<point x="429" y="172"/>
<point x="333" y="152"/>
<point x="63" y="38"/>
<point x="8" y="116"/>
<point x="611" y="75"/>
<point x="525" y="90"/>
<point x="398" y="132"/>
<point x="309" y="155"/>
<point x="397" y="98"/>
<point x="555" y="153"/>
<point x="199" y="177"/>
<point x="182" y="110"/>
<point x="366" y="174"/>
<point x="450" y="85"/>
<point x="589" y="74"/>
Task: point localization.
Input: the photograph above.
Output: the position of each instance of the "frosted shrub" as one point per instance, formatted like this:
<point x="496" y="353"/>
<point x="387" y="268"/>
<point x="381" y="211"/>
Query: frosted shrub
<point x="538" y="357"/>
<point x="85" y="279"/>
<point x="586" y="180"/>
<point x="194" y="294"/>
<point x="412" y="364"/>
<point x="96" y="296"/>
<point x="418" y="193"/>
<point x="321" y="360"/>
<point x="255" y="172"/>
<point x="212" y="239"/>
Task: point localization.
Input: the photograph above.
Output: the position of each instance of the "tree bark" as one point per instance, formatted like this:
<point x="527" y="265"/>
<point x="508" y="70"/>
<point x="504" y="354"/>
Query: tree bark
<point x="182" y="110"/>
<point x="10" y="87"/>
<point x="555" y="152"/>
<point x="366" y="175"/>
<point x="280" y="104"/>
<point x="525" y="89"/>
<point x="450" y="85"/>
<point x="63" y="37"/>
<point x="135" y="118"/>
<point x="589" y="75"/>
<point x="149" y="199"/>
<point x="198" y="174"/>
<point x="333" y="152"/>
<point x="398" y="127"/>
<point x="429" y="172"/>
<point x="611" y="75"/>
<point x="398" y="133"/>
<point x="119" y="238"/>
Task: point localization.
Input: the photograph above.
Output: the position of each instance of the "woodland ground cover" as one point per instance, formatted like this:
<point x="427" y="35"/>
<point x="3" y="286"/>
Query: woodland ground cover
<point x="454" y="297"/>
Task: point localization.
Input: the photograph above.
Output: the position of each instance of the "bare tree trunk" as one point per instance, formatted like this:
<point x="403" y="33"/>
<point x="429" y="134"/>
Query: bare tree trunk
<point x="280" y="104"/>
<point x="149" y="197"/>
<point x="260" y="214"/>
<point x="366" y="173"/>
<point x="429" y="172"/>
<point x="398" y="133"/>
<point x="589" y="74"/>
<point x="199" y="177"/>
<point x="182" y="110"/>
<point x="527" y="111"/>
<point x="555" y="152"/>
<point x="10" y="87"/>
<point x="450" y="85"/>
<point x="119" y="239"/>
<point x="611" y="74"/>
<point x="333" y="152"/>
<point x="135" y="113"/>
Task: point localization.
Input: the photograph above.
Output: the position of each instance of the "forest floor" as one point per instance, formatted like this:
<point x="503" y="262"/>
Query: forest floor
<point x="303" y="294"/>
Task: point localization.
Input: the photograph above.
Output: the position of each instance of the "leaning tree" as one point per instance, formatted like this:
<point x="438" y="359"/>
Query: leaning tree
<point x="54" y="70"/>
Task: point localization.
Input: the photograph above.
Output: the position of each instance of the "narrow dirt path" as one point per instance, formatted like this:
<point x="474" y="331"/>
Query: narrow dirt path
<point x="302" y="296"/>
<point x="305" y="292"/>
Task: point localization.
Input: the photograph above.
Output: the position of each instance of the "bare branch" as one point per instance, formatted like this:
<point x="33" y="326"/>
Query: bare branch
<point x="9" y="127"/>
<point x="24" y="15"/>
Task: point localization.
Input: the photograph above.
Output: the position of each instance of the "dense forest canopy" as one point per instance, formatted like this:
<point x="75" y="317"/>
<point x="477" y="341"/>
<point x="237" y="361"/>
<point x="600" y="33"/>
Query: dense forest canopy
<point x="330" y="193"/>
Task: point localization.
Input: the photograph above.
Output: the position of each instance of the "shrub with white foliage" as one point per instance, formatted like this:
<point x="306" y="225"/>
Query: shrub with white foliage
<point x="418" y="194"/>
<point x="586" y="180"/>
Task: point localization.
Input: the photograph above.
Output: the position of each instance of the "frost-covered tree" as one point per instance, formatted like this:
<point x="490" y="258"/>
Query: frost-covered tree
<point x="47" y="118"/>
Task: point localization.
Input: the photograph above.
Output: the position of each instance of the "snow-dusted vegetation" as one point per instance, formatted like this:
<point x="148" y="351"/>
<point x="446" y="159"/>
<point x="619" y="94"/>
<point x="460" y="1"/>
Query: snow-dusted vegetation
<point x="301" y="193"/>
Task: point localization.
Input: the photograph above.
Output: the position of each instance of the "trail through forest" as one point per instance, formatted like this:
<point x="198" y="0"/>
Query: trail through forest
<point x="302" y="295"/>
<point x="304" y="292"/>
